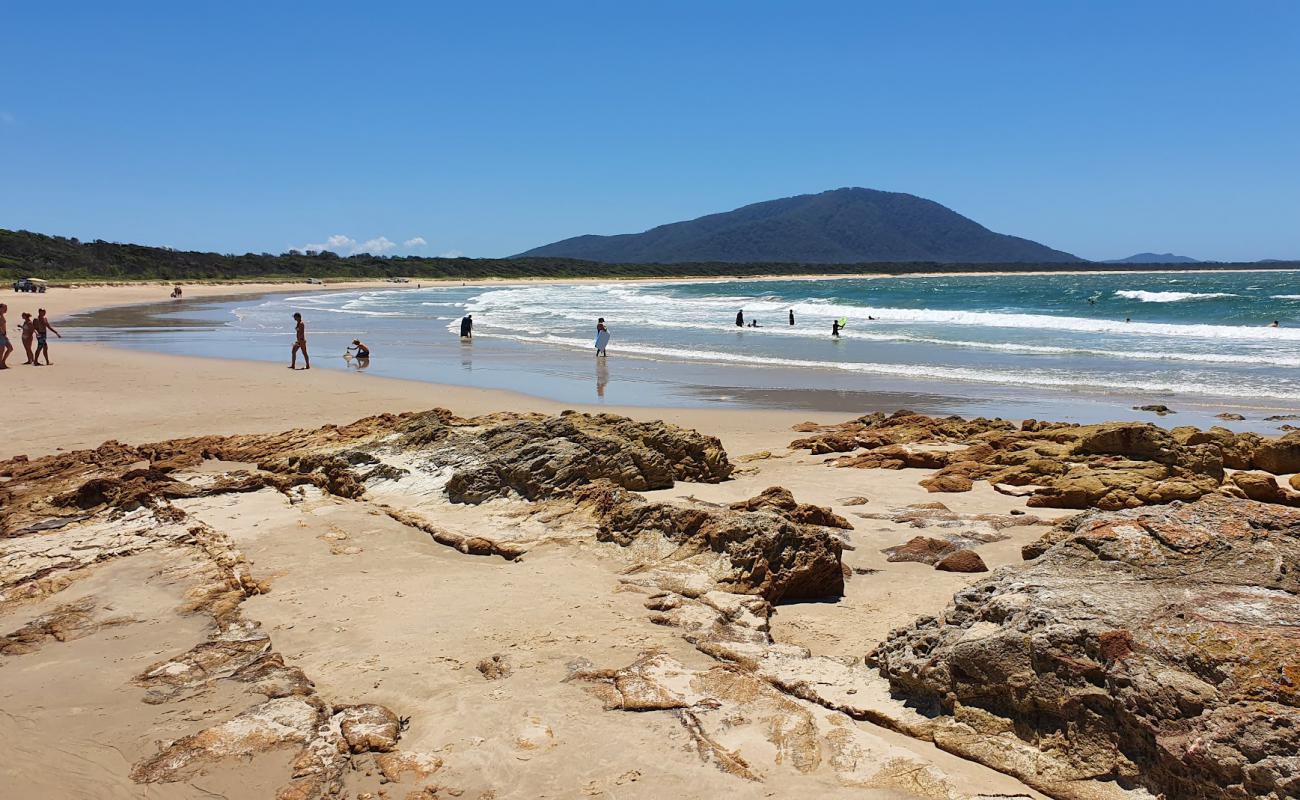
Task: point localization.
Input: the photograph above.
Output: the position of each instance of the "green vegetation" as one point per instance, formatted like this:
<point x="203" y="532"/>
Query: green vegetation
<point x="62" y="260"/>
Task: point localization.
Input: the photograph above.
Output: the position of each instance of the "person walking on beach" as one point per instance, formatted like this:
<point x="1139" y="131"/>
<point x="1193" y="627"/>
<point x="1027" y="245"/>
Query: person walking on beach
<point x="602" y="337"/>
<point x="5" y="347"/>
<point x="300" y="343"/>
<point x="740" y="318"/>
<point x="792" y="316"/>
<point x="28" y="331"/>
<point x="467" y="326"/>
<point x="43" y="331"/>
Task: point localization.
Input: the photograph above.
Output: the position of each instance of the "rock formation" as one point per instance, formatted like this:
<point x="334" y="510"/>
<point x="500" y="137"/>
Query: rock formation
<point x="1107" y="466"/>
<point x="769" y="545"/>
<point x="1157" y="647"/>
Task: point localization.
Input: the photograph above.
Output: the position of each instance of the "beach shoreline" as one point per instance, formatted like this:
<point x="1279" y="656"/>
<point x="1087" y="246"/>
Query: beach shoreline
<point x="369" y="636"/>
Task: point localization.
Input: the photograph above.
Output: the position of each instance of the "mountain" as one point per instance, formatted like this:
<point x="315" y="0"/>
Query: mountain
<point x="1153" y="258"/>
<point x="841" y="226"/>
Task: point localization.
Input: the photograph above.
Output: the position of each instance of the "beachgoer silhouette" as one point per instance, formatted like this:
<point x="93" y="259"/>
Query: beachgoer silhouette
<point x="467" y="326"/>
<point x="835" y="329"/>
<point x="602" y="337"/>
<point x="792" y="316"/>
<point x="299" y="344"/>
<point x="1275" y="324"/>
<point x="740" y="318"/>
<point x="360" y="349"/>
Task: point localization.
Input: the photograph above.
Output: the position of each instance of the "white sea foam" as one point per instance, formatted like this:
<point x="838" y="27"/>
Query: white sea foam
<point x="657" y="309"/>
<point x="1169" y="297"/>
<point x="1072" y="379"/>
<point x="1286" y="297"/>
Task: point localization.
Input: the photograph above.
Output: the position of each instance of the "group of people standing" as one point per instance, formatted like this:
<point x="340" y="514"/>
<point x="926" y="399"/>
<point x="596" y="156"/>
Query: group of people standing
<point x="836" y="325"/>
<point x="34" y="332"/>
<point x="362" y="352"/>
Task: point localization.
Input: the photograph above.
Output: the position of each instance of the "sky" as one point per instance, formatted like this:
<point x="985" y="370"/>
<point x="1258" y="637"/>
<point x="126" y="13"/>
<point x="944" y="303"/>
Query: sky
<point x="484" y="129"/>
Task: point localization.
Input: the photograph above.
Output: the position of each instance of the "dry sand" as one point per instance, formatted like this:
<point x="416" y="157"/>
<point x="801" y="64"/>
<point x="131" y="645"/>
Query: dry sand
<point x="374" y="610"/>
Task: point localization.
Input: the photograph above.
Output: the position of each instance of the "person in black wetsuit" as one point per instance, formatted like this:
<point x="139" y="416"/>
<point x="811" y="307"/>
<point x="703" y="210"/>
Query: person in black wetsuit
<point x="740" y="318"/>
<point x="792" y="316"/>
<point x="467" y="326"/>
<point x="835" y="329"/>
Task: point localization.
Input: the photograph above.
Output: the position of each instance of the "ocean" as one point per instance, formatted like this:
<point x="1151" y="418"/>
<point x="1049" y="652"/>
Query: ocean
<point x="967" y="344"/>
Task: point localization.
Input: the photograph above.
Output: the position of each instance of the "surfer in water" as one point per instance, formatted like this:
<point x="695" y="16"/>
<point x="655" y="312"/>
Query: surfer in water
<point x="836" y="326"/>
<point x="602" y="337"/>
<point x="792" y="316"/>
<point x="467" y="326"/>
<point x="740" y="318"/>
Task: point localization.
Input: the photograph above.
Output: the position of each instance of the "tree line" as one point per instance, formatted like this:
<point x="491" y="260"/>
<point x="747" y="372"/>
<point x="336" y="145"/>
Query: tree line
<point x="61" y="259"/>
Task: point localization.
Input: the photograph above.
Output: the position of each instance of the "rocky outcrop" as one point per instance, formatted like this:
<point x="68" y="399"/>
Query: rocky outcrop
<point x="961" y="561"/>
<point x="781" y="501"/>
<point x="759" y="546"/>
<point x="921" y="549"/>
<point x="1107" y="466"/>
<point x="1155" y="647"/>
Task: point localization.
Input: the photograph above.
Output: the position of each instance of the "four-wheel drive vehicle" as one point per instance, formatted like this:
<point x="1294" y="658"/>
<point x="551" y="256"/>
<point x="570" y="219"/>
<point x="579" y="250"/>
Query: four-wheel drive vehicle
<point x="30" y="285"/>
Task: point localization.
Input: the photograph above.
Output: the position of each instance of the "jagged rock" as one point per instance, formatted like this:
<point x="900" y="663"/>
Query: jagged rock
<point x="282" y="722"/>
<point x="961" y="561"/>
<point x="1278" y="456"/>
<point x="1110" y="465"/>
<point x="922" y="549"/>
<point x="1262" y="486"/>
<point x="537" y="457"/>
<point x="856" y="500"/>
<point x="367" y="727"/>
<point x="948" y="483"/>
<point x="781" y="500"/>
<point x="495" y="667"/>
<point x="1155" y="408"/>
<point x="1154" y="646"/>
<point x="1012" y="490"/>
<point x="1231" y="417"/>
<point x="769" y="553"/>
<point x="1140" y="441"/>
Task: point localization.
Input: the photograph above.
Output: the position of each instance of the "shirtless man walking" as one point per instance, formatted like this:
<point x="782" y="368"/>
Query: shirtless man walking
<point x="5" y="347"/>
<point x="301" y="344"/>
<point x="43" y="331"/>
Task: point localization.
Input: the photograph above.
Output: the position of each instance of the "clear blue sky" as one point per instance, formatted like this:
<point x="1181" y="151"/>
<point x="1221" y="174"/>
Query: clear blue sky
<point x="486" y="128"/>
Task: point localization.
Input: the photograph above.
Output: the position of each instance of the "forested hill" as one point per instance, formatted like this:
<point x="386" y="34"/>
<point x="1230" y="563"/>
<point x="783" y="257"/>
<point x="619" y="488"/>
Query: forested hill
<point x="24" y="254"/>
<point x="841" y="226"/>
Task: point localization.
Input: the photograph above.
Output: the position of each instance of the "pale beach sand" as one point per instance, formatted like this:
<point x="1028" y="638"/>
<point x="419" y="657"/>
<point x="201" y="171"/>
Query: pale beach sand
<point x="375" y="611"/>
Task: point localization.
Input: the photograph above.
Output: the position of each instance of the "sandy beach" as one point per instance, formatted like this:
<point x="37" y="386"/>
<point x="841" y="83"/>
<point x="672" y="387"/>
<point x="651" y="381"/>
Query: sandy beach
<point x="494" y="633"/>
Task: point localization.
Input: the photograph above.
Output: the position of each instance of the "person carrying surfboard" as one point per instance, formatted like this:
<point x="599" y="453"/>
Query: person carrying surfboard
<point x="837" y="325"/>
<point x="602" y="337"/>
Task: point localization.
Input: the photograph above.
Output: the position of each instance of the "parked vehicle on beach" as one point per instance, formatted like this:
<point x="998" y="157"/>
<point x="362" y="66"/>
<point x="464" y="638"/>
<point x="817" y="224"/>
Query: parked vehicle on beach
<point x="30" y="285"/>
<point x="316" y="281"/>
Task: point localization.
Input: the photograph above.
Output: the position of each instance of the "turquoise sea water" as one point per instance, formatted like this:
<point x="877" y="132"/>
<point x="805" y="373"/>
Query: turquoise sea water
<point x="1203" y="338"/>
